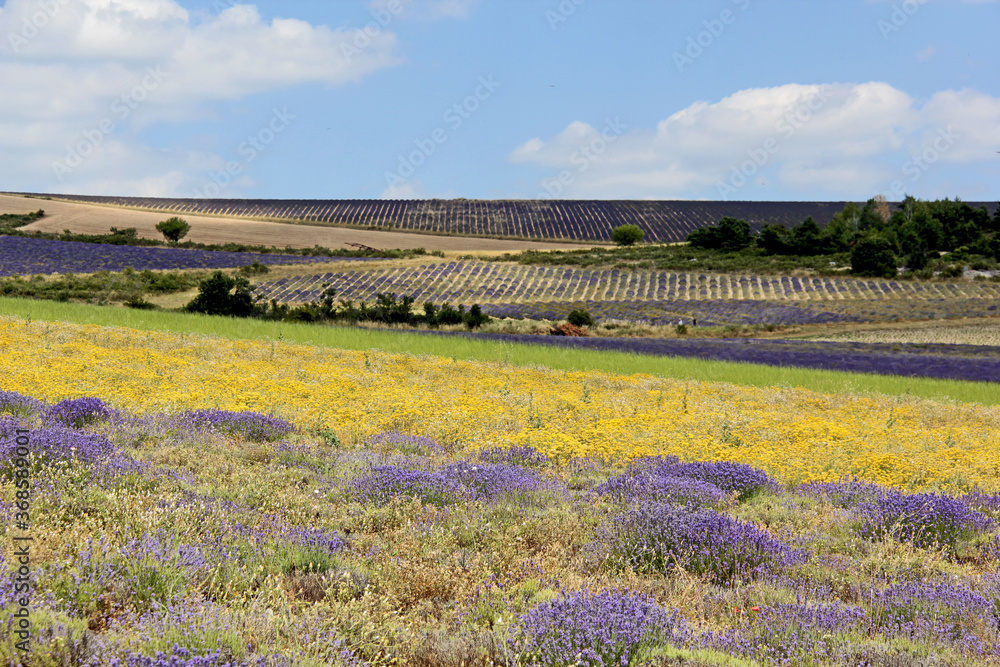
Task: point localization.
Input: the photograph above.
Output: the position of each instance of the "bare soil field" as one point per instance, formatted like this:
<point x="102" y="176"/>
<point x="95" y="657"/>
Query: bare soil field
<point x="95" y="219"/>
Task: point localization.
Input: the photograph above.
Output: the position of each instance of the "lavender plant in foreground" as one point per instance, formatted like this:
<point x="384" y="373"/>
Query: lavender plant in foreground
<point x="658" y="537"/>
<point x="738" y="478"/>
<point x="524" y="456"/>
<point x="491" y="482"/>
<point x="19" y="405"/>
<point x="251" y="426"/>
<point x="787" y="633"/>
<point x="413" y="445"/>
<point x="79" y="412"/>
<point x="652" y="487"/>
<point x="923" y="519"/>
<point x="845" y="493"/>
<point x="937" y="612"/>
<point x="592" y="629"/>
<point x="382" y="483"/>
<point x="448" y="485"/>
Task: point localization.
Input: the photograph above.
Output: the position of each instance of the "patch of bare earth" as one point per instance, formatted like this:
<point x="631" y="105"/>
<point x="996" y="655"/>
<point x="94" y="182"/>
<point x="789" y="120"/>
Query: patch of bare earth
<point x="94" y="219"/>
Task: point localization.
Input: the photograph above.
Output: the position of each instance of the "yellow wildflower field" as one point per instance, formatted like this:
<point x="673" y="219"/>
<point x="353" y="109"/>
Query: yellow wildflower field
<point x="796" y="435"/>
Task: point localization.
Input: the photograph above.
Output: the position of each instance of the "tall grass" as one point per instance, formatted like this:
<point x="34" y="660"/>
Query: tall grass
<point x="986" y="393"/>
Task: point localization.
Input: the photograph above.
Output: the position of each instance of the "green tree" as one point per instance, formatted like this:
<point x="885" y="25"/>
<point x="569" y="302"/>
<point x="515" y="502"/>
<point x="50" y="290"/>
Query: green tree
<point x="772" y="239"/>
<point x="220" y="294"/>
<point x="807" y="238"/>
<point x="873" y="256"/>
<point x="173" y="229"/>
<point x="627" y="235"/>
<point x="735" y="234"/>
<point x="580" y="318"/>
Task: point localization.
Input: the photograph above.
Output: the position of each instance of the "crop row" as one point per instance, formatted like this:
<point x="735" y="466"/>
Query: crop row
<point x="496" y="283"/>
<point x="21" y="256"/>
<point x="954" y="362"/>
<point x="662" y="221"/>
<point x="462" y="405"/>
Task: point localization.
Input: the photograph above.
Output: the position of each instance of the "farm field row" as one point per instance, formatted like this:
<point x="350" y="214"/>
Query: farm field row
<point x="965" y="334"/>
<point x="485" y="282"/>
<point x="520" y="355"/>
<point x="85" y="218"/>
<point x="471" y="405"/>
<point x="662" y="221"/>
<point x="241" y="538"/>
<point x="28" y="256"/>
<point x="974" y="363"/>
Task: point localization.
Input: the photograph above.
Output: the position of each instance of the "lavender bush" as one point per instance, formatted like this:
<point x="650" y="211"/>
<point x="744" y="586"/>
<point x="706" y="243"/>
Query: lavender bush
<point x="382" y="483"/>
<point x="846" y="493"/>
<point x="738" y="478"/>
<point x="652" y="487"/>
<point x="787" y="633"/>
<point x="592" y="629"/>
<point x="251" y="426"/>
<point x="411" y="445"/>
<point x="491" y="482"/>
<point x="658" y="537"/>
<point x="523" y="456"/>
<point x="923" y="519"/>
<point x="446" y="486"/>
<point x="19" y="405"/>
<point x="79" y="412"/>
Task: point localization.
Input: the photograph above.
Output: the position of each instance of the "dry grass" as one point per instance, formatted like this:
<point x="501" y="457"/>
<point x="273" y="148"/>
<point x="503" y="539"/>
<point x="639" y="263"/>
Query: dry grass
<point x="96" y="219"/>
<point x="969" y="333"/>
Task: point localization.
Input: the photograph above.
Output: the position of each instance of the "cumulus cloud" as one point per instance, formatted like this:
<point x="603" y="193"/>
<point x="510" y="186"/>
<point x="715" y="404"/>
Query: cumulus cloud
<point x="87" y="75"/>
<point x="845" y="139"/>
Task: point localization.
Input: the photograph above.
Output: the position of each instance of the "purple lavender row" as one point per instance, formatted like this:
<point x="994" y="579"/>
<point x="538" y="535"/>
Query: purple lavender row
<point x="27" y="256"/>
<point x="955" y="362"/>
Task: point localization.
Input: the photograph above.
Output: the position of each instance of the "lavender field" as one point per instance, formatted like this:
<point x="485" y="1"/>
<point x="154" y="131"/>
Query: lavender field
<point x="215" y="538"/>
<point x="27" y="256"/>
<point x="485" y="282"/>
<point x="976" y="363"/>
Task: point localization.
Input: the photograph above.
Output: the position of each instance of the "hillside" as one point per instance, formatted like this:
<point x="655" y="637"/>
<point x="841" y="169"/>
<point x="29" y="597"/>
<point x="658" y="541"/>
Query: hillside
<point x="662" y="221"/>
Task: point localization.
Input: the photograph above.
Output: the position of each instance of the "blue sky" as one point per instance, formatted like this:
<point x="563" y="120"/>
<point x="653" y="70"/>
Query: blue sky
<point x="717" y="99"/>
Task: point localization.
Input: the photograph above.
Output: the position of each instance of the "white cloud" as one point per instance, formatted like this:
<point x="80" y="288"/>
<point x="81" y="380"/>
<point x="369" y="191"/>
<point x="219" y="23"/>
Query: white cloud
<point x="845" y="139"/>
<point x="79" y="64"/>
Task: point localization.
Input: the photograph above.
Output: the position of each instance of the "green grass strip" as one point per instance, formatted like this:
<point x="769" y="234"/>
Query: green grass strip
<point x="620" y="363"/>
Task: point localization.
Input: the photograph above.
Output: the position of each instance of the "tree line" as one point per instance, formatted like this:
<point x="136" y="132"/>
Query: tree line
<point x="877" y="237"/>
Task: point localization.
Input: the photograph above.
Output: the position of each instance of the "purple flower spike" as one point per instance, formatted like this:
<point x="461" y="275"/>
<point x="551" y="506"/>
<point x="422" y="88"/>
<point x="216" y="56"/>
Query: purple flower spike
<point x="13" y="403"/>
<point x="251" y="426"/>
<point x="923" y="519"/>
<point x="79" y="412"/>
<point x="658" y="537"/>
<point x="587" y="628"/>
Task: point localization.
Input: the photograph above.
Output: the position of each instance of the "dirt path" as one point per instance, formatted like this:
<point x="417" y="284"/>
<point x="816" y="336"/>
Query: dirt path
<point x="94" y="219"/>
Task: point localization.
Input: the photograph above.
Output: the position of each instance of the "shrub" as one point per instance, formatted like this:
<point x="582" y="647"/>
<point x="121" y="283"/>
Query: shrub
<point x="13" y="403"/>
<point x="79" y="412"/>
<point x="475" y="318"/>
<point x="221" y="295"/>
<point x="874" y="256"/>
<point x="627" y="235"/>
<point x="251" y="426"/>
<point x="738" y="478"/>
<point x="586" y="628"/>
<point x="580" y="318"/>
<point x="173" y="229"/>
<point x="411" y="445"/>
<point x="658" y="537"/>
<point x="923" y="519"/>
<point x="383" y="483"/>
<point x="525" y="457"/>
<point x="648" y="487"/>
